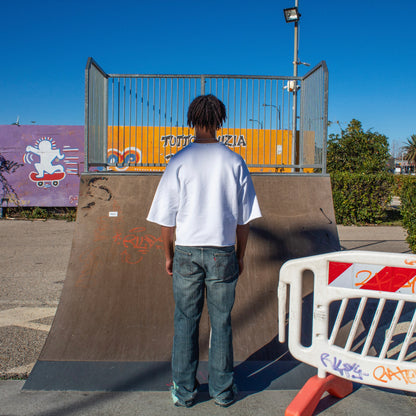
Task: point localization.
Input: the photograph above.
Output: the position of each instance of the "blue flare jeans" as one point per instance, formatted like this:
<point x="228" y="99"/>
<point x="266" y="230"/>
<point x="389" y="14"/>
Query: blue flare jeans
<point x="196" y="269"/>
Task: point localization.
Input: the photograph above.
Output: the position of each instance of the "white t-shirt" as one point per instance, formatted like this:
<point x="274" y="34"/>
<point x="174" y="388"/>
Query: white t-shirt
<point x="205" y="191"/>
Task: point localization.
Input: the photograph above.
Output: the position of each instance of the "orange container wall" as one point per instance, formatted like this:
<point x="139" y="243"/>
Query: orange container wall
<point x="129" y="148"/>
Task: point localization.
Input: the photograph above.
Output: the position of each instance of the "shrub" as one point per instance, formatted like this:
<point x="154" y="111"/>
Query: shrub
<point x="361" y="198"/>
<point x="408" y="205"/>
<point x="38" y="213"/>
<point x="356" y="150"/>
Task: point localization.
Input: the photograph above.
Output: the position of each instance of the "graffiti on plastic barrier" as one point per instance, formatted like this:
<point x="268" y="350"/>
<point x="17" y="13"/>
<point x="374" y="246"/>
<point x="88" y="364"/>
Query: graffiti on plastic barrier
<point x="348" y="370"/>
<point x="385" y="375"/>
<point x="373" y="277"/>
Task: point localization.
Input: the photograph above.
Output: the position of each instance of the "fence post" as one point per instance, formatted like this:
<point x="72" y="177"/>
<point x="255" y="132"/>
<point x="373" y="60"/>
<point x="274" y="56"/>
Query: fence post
<point x="202" y="84"/>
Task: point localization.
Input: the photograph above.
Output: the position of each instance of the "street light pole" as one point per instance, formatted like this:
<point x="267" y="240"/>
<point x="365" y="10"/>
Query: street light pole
<point x="295" y="90"/>
<point x="257" y="121"/>
<point x="277" y="107"/>
<point x="296" y="45"/>
<point x="292" y="15"/>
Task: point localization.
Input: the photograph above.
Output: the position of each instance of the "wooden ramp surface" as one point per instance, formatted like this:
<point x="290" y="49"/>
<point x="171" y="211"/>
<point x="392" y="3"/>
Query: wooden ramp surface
<point x="114" y="325"/>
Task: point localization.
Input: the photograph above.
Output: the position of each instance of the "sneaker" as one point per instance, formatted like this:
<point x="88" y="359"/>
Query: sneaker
<point x="227" y="398"/>
<point x="180" y="403"/>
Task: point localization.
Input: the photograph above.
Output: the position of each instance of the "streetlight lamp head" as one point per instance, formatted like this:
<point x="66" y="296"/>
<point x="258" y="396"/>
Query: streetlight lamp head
<point x="291" y="14"/>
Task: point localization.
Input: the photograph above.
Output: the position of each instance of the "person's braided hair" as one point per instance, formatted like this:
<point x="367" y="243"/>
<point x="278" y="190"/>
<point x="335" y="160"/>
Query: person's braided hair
<point x="206" y="111"/>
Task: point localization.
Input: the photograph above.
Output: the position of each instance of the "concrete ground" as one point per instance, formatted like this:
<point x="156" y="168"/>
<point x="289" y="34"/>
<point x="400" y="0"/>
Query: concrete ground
<point x="364" y="401"/>
<point x="33" y="264"/>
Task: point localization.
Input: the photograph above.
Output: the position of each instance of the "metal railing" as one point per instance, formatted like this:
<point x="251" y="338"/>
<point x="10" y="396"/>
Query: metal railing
<point x="137" y="122"/>
<point x="96" y="115"/>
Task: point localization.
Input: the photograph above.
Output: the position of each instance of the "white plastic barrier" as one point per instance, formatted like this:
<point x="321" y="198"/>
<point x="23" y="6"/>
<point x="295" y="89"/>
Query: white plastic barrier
<point x="375" y="288"/>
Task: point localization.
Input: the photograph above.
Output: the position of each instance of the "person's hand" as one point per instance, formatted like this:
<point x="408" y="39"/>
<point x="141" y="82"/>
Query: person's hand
<point x="169" y="267"/>
<point x="240" y="266"/>
<point x="167" y="238"/>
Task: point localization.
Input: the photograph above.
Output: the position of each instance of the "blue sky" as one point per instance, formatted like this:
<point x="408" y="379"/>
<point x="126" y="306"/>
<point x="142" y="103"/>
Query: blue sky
<point x="369" y="48"/>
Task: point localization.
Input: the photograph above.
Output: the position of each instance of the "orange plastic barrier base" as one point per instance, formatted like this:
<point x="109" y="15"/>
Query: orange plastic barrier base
<point x="309" y="396"/>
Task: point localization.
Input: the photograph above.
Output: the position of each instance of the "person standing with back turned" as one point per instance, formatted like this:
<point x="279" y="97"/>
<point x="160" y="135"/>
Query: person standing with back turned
<point x="205" y="196"/>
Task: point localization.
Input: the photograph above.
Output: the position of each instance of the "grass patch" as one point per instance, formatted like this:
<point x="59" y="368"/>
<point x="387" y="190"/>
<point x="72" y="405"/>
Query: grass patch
<point x="39" y="213"/>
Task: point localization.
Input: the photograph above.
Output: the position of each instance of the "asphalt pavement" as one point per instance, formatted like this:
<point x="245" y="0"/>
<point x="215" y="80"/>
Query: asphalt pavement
<point x="33" y="264"/>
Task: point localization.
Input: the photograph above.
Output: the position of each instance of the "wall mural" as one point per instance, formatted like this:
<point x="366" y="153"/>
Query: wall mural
<point x="40" y="165"/>
<point x="153" y="146"/>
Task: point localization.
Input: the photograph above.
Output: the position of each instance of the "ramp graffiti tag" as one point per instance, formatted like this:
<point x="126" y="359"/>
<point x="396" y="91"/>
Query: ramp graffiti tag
<point x="136" y="244"/>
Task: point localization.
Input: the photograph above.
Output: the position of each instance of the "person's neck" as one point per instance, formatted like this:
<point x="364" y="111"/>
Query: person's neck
<point x="203" y="135"/>
<point x="210" y="140"/>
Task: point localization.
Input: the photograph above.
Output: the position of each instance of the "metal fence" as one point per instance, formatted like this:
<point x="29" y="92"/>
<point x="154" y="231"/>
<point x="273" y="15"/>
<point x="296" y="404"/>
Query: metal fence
<point x="137" y="122"/>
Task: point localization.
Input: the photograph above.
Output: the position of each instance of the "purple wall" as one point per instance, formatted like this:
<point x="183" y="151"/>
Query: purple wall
<point x="41" y="165"/>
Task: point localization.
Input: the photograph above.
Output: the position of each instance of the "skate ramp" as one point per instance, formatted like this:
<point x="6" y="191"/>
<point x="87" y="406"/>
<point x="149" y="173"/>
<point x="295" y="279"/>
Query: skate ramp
<point x="113" y="328"/>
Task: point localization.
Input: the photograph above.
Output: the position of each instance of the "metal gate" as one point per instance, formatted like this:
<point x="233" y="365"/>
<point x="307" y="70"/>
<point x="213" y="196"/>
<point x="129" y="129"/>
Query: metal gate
<point x="137" y="122"/>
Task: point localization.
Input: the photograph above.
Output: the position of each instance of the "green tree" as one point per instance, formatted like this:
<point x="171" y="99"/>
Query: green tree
<point x="361" y="184"/>
<point x="356" y="150"/>
<point x="410" y="149"/>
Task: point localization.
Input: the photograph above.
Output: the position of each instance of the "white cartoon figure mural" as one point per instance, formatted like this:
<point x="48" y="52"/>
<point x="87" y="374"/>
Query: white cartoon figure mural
<point x="47" y="173"/>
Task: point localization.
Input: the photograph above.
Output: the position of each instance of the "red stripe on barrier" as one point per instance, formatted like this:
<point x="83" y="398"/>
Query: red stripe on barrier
<point x="389" y="279"/>
<point x="336" y="269"/>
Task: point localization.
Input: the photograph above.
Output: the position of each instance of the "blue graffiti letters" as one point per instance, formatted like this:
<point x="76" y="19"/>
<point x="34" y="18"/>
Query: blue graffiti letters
<point x="347" y="370"/>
